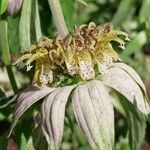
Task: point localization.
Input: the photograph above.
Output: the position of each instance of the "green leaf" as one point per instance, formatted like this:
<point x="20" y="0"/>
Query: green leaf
<point x="144" y="15"/>
<point x="36" y="19"/>
<point x="23" y="142"/>
<point x="68" y="8"/>
<point x="29" y="145"/>
<point x="117" y="104"/>
<point x="39" y="141"/>
<point x="24" y="28"/>
<point x="6" y="53"/>
<point x="135" y="45"/>
<point x="3" y="6"/>
<point x="122" y="144"/>
<point x="124" y="8"/>
<point x="13" y="25"/>
<point x="4" y="42"/>
<point x="136" y="123"/>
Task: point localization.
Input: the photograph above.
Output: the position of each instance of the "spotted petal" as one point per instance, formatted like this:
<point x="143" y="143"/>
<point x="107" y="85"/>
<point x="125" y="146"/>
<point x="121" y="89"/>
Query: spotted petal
<point x="121" y="81"/>
<point x="53" y="112"/>
<point x="94" y="113"/>
<point x="26" y="99"/>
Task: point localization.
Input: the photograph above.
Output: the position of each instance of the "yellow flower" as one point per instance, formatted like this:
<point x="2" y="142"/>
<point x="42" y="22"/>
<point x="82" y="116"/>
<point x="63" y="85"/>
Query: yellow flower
<point x="81" y="54"/>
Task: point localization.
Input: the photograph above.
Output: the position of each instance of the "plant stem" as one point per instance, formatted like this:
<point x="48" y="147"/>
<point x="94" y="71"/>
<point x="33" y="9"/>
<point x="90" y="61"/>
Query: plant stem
<point x="6" y="54"/>
<point x="58" y="17"/>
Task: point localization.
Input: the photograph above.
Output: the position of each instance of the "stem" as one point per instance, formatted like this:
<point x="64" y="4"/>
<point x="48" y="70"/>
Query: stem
<point x="6" y="53"/>
<point x="58" y="17"/>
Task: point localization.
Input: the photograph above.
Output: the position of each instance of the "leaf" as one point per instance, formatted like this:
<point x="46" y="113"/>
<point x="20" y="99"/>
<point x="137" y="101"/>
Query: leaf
<point x="13" y="25"/>
<point x="123" y="144"/>
<point x="3" y="6"/>
<point x="94" y="113"/>
<point x="36" y="18"/>
<point x="39" y="141"/>
<point x="122" y="82"/>
<point x="53" y="112"/>
<point x="135" y="45"/>
<point x="124" y="8"/>
<point x="144" y="15"/>
<point x="116" y="103"/>
<point x="68" y="10"/>
<point x="29" y="145"/>
<point x="136" y="123"/>
<point x="4" y="42"/>
<point x="26" y="99"/>
<point x="24" y="28"/>
<point x="58" y="17"/>
<point x="23" y="142"/>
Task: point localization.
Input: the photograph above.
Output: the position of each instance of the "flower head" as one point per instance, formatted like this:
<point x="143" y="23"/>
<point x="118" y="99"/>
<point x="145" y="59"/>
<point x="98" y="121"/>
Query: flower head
<point x="81" y="54"/>
<point x="87" y="53"/>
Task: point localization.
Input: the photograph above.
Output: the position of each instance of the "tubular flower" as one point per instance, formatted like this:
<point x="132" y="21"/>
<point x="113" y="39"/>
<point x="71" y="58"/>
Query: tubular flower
<point x="82" y="53"/>
<point x="86" y="54"/>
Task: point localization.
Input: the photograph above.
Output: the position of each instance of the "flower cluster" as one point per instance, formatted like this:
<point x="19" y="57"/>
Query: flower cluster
<point x="84" y="53"/>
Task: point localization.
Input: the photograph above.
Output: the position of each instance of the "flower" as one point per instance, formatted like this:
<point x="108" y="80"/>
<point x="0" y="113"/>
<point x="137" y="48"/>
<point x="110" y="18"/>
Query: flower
<point x="87" y="57"/>
<point x="14" y="6"/>
<point x="77" y="55"/>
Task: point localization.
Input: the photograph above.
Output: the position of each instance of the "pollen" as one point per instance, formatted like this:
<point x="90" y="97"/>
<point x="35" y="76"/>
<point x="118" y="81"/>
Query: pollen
<point x="82" y="53"/>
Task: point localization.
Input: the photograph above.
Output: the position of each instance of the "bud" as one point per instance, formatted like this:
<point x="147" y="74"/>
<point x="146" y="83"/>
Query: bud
<point x="14" y="6"/>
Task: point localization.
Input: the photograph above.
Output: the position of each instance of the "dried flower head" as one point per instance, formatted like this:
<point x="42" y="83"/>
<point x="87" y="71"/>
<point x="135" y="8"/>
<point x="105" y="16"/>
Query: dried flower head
<point x="82" y="53"/>
<point x="87" y="53"/>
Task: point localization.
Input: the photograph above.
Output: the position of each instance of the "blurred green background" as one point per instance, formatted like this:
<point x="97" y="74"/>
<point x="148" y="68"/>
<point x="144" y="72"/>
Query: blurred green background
<point x="131" y="16"/>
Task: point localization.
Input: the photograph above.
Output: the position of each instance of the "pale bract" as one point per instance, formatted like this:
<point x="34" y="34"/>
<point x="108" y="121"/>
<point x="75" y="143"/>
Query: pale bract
<point x="91" y="102"/>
